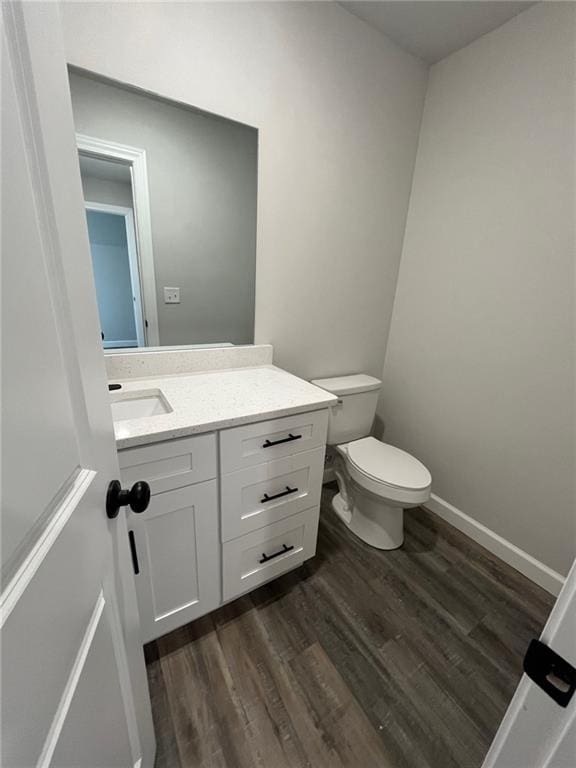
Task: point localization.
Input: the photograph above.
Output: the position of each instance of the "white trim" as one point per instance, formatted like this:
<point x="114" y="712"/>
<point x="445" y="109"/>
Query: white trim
<point x="135" y="281"/>
<point x="136" y="158"/>
<point x="25" y="573"/>
<point x="71" y="685"/>
<point x="120" y="345"/>
<point x="533" y="569"/>
<point x="121" y="210"/>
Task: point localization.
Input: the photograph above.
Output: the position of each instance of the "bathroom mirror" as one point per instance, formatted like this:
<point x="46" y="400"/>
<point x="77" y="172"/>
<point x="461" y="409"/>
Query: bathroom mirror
<point x="170" y="199"/>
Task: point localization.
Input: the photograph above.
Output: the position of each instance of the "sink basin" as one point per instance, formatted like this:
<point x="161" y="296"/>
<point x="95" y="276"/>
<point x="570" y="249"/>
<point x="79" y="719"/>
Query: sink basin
<point x="139" y="405"/>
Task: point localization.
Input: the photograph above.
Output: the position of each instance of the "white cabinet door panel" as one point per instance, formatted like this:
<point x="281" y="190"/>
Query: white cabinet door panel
<point x="177" y="550"/>
<point x="266" y="493"/>
<point x="170" y="464"/>
<point x="251" y="444"/>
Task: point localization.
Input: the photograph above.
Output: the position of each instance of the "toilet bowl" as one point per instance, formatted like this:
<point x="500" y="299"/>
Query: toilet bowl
<point x="376" y="481"/>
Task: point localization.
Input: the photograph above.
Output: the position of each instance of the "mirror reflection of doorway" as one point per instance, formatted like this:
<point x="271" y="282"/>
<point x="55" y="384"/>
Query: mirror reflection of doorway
<point x="109" y="203"/>
<point x="116" y="274"/>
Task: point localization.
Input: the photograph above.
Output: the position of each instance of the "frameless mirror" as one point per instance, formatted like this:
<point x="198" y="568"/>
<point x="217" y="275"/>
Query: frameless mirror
<point x="170" y="199"/>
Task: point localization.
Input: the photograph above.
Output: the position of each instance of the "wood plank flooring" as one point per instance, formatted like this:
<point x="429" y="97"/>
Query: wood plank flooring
<point x="359" y="659"/>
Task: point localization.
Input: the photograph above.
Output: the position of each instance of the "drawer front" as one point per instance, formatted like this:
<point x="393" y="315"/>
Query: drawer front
<point x="176" y="551"/>
<point x="268" y="552"/>
<point x="261" y="495"/>
<point x="242" y="447"/>
<point x="170" y="465"/>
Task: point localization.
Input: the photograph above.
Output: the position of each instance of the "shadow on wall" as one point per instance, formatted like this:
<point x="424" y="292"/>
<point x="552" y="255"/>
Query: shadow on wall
<point x="378" y="428"/>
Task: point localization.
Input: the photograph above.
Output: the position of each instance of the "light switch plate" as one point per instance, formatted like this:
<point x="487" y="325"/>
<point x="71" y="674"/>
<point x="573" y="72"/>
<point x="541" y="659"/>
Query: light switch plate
<point x="171" y="295"/>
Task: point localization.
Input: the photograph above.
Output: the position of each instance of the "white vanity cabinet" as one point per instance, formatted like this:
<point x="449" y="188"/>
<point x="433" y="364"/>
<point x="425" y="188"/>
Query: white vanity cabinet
<point x="229" y="511"/>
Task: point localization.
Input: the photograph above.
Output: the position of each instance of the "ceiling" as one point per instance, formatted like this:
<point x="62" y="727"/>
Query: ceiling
<point x="432" y="30"/>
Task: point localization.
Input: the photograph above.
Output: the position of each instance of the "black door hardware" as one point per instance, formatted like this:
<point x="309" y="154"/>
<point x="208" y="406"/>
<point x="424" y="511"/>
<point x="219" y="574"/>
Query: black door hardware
<point x="265" y="558"/>
<point x="289" y="439"/>
<point x="288" y="490"/>
<point x="112" y="387"/>
<point x="133" y="552"/>
<point x="551" y="672"/>
<point x="138" y="497"/>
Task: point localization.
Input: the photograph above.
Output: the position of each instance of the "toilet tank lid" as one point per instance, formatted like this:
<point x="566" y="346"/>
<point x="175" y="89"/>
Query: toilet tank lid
<point x="348" y="385"/>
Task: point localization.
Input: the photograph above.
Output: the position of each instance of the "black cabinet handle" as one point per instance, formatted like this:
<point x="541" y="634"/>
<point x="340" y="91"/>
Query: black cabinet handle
<point x="265" y="558"/>
<point x="288" y="490"/>
<point x="289" y="439"/>
<point x="133" y="552"/>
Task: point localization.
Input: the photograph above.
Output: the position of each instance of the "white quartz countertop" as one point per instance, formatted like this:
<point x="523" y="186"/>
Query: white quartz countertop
<point x="202" y="402"/>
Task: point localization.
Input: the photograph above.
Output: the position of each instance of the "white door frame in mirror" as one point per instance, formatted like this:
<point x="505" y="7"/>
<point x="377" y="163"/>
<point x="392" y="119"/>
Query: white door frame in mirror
<point x="136" y="283"/>
<point x="136" y="159"/>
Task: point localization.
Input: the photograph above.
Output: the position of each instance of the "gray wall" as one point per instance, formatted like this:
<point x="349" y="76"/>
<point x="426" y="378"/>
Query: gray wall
<point x="478" y="379"/>
<point x="202" y="174"/>
<point x="338" y="109"/>
<point x="110" y="261"/>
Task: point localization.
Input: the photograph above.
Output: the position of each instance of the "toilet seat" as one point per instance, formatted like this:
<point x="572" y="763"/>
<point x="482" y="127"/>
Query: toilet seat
<point x="388" y="464"/>
<point x="387" y="471"/>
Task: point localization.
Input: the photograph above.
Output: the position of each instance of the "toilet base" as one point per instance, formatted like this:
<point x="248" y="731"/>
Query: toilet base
<point x="378" y="524"/>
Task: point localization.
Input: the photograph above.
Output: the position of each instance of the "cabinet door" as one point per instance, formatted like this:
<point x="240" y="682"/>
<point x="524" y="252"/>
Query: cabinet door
<point x="176" y="556"/>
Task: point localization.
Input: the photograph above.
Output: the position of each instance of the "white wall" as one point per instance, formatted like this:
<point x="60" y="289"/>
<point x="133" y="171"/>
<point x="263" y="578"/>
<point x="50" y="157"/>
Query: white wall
<point x="338" y="109"/>
<point x="478" y="378"/>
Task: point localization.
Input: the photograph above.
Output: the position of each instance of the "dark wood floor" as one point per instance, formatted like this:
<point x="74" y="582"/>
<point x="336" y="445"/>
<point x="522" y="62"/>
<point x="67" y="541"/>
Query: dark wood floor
<point x="360" y="658"/>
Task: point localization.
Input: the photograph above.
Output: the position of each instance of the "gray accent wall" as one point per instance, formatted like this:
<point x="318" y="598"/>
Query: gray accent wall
<point x="202" y="174"/>
<point x="479" y="376"/>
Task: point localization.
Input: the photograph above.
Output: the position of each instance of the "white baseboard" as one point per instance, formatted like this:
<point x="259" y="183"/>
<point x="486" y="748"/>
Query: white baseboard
<point x="533" y="569"/>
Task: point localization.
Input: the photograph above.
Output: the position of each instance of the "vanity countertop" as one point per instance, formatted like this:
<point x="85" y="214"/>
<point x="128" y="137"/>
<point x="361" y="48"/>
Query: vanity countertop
<point x="202" y="402"/>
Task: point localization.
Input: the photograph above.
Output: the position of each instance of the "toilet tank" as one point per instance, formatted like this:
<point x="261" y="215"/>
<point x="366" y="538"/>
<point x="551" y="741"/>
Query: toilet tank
<point x="353" y="416"/>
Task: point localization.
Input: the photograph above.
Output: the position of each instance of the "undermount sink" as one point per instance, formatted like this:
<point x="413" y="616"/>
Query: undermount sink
<point x="139" y="405"/>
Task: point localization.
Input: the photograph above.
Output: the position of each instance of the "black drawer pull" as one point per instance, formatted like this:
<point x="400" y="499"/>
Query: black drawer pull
<point x="288" y="490"/>
<point x="289" y="439"/>
<point x="285" y="548"/>
<point x="133" y="552"/>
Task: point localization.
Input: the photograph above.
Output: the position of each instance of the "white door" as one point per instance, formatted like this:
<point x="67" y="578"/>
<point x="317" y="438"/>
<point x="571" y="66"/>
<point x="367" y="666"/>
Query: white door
<point x="74" y="689"/>
<point x="538" y="732"/>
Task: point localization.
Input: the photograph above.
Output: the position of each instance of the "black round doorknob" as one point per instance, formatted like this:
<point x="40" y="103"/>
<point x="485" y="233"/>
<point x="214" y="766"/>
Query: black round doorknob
<point x="138" y="497"/>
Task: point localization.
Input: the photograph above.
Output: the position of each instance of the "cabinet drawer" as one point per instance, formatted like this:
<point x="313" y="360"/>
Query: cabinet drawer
<point x="176" y="553"/>
<point x="251" y="444"/>
<point x="268" y="552"/>
<point x="172" y="464"/>
<point x="266" y="493"/>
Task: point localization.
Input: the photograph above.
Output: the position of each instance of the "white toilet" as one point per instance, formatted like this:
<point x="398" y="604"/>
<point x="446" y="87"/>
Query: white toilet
<point x="376" y="481"/>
